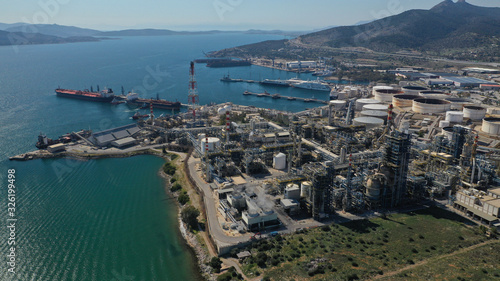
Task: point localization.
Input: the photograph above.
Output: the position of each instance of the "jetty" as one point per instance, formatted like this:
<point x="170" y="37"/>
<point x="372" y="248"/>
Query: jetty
<point x="290" y="98"/>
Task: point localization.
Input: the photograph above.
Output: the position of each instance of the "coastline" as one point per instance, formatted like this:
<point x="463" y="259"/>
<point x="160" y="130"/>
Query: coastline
<point x="197" y="250"/>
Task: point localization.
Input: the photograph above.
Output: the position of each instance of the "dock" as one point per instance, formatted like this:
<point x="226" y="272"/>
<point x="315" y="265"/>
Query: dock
<point x="278" y="96"/>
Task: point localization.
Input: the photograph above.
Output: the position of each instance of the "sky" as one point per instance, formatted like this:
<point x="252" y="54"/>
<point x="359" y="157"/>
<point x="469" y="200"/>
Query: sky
<point x="210" y="14"/>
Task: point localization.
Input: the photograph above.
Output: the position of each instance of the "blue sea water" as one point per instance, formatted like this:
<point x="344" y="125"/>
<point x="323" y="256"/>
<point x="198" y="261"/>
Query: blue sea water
<point x="105" y="219"/>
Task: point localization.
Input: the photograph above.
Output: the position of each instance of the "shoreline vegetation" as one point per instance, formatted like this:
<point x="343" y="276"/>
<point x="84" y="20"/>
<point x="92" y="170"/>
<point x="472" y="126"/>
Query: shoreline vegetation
<point x="178" y="186"/>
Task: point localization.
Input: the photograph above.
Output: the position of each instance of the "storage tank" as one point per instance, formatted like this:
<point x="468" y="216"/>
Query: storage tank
<point x="378" y="107"/>
<point x="362" y="102"/>
<point x="459" y="103"/>
<point x="444" y="123"/>
<point x="338" y="104"/>
<point x="448" y="132"/>
<point x="413" y="90"/>
<point x="292" y="191"/>
<point x="455" y="116"/>
<point x="491" y="125"/>
<point x="385" y="95"/>
<point x="376" y="88"/>
<point x="369" y="122"/>
<point x="423" y="105"/>
<point x="213" y="143"/>
<point x="306" y="189"/>
<point x="404" y="100"/>
<point x="201" y="136"/>
<point x="221" y="111"/>
<point x="474" y="113"/>
<point x="434" y="95"/>
<point x="374" y="113"/>
<point x="279" y="161"/>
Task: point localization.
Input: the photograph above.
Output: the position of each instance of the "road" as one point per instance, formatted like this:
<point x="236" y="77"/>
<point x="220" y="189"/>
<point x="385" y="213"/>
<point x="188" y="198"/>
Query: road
<point x="216" y="231"/>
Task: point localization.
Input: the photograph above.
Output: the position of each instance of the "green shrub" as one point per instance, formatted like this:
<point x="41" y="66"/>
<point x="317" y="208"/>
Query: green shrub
<point x="176" y="187"/>
<point x="183" y="198"/>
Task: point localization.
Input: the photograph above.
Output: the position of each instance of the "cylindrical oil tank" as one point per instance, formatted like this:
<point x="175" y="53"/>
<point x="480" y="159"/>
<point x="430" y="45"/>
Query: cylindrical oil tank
<point x="434" y="95"/>
<point x="444" y="123"/>
<point x="491" y="126"/>
<point x="430" y="105"/>
<point x="376" y="88"/>
<point x="413" y="90"/>
<point x="455" y="116"/>
<point x="373" y="187"/>
<point x="374" y="113"/>
<point x="338" y="104"/>
<point x="213" y="143"/>
<point x="306" y="189"/>
<point x="362" y="102"/>
<point x="459" y="103"/>
<point x="404" y="100"/>
<point x="279" y="161"/>
<point x="448" y="132"/>
<point x="493" y="111"/>
<point x="474" y="113"/>
<point x="369" y="122"/>
<point x="378" y="107"/>
<point x="385" y="95"/>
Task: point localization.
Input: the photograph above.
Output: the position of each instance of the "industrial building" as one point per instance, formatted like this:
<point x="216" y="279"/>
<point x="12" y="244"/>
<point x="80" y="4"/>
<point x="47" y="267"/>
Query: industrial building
<point x="105" y="138"/>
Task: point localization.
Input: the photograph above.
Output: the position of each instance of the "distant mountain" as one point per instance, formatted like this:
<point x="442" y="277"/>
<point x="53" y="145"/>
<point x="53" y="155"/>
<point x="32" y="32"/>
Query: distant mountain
<point x="448" y="29"/>
<point x="4" y="26"/>
<point x="53" y="29"/>
<point x="20" y="38"/>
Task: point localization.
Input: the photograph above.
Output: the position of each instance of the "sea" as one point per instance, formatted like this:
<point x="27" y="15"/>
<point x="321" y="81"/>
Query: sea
<point x="107" y="219"/>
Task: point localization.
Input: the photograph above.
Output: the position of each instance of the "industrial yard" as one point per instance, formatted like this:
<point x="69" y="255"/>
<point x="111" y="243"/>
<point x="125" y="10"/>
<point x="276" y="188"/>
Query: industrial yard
<point x="372" y="151"/>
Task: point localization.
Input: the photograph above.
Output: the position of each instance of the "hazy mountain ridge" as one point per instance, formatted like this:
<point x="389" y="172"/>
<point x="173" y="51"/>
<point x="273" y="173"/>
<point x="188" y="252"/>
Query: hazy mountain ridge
<point x="448" y="29"/>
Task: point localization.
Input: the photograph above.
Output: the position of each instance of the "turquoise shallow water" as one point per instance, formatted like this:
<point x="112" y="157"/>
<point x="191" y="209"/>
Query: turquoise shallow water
<point x="96" y="220"/>
<point x="108" y="219"/>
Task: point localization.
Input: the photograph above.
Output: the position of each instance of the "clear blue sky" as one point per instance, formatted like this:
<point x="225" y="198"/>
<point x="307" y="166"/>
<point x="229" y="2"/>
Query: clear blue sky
<point x="209" y="14"/>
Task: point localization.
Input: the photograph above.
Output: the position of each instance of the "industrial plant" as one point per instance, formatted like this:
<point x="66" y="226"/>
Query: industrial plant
<point x="371" y="149"/>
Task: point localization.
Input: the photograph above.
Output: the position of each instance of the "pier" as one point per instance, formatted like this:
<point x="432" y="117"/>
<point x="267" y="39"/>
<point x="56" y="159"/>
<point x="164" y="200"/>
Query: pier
<point x="278" y="96"/>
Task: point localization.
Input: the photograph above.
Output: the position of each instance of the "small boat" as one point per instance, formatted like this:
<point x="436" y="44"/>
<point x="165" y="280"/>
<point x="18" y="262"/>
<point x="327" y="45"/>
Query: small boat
<point x="276" y="96"/>
<point x="291" y="98"/>
<point x="247" y="93"/>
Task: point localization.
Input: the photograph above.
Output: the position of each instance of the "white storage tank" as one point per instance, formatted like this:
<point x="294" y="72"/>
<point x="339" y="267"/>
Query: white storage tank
<point x="385" y="95"/>
<point x="413" y="90"/>
<point x="292" y="191"/>
<point x="374" y="113"/>
<point x="474" y="113"/>
<point x="376" y="88"/>
<point x="338" y="104"/>
<point x="201" y="136"/>
<point x="430" y="105"/>
<point x="491" y="126"/>
<point x="362" y="102"/>
<point x="279" y="161"/>
<point x="306" y="189"/>
<point x="213" y="143"/>
<point x="221" y="111"/>
<point x="369" y="122"/>
<point x="455" y="116"/>
<point x="378" y="107"/>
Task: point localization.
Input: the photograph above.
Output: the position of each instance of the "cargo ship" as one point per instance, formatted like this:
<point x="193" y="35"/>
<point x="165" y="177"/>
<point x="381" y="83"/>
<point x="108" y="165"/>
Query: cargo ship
<point x="105" y="95"/>
<point x="133" y="99"/>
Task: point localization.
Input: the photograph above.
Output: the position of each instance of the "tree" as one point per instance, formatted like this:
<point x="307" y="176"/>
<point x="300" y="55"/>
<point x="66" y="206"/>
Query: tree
<point x="183" y="198"/>
<point x="216" y="264"/>
<point x="189" y="216"/>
